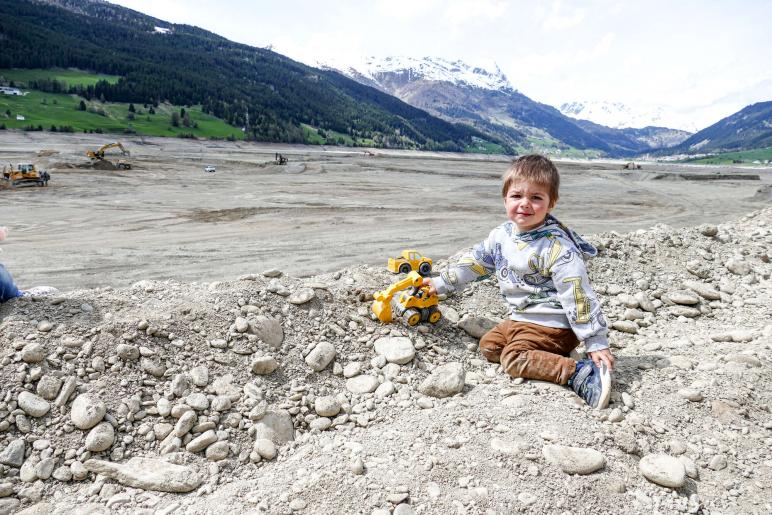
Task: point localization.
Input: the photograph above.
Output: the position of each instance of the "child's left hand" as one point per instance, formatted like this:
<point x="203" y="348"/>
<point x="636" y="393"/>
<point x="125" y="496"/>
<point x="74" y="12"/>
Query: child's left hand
<point x="602" y="356"/>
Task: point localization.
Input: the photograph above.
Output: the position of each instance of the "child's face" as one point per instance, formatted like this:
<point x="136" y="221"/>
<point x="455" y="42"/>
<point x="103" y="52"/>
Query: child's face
<point x="527" y="204"/>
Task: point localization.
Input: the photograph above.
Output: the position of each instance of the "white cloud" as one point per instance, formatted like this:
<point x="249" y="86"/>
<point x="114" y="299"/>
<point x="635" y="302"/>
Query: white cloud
<point x="657" y="52"/>
<point x="557" y="16"/>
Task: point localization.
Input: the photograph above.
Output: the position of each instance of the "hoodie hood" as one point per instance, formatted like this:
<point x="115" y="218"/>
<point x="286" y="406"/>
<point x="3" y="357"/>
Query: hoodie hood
<point x="552" y="225"/>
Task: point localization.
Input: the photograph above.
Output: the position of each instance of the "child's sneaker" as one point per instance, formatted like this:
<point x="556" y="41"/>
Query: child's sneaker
<point x="591" y="383"/>
<point x="39" y="291"/>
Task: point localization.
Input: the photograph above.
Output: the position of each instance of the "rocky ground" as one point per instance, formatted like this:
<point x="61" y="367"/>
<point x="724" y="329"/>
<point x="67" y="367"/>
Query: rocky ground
<point x="272" y="394"/>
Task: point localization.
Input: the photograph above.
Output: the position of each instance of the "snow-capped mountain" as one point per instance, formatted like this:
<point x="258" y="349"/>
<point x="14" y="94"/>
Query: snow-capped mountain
<point x="435" y="69"/>
<point x="619" y="116"/>
<point x="484" y="98"/>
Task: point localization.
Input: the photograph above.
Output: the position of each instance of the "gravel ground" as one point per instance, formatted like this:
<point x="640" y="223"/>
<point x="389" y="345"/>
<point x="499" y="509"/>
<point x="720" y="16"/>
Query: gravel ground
<point x="270" y="393"/>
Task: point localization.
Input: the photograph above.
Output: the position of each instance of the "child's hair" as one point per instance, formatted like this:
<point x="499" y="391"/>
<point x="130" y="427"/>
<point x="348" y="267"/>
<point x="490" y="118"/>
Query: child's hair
<point x="536" y="169"/>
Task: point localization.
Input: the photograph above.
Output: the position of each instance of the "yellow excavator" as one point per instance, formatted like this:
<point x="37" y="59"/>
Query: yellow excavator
<point x="414" y="306"/>
<point x="99" y="154"/>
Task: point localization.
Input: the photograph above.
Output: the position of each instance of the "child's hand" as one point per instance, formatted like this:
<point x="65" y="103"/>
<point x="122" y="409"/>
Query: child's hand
<point x="3" y="233"/>
<point x="428" y="282"/>
<point x="602" y="356"/>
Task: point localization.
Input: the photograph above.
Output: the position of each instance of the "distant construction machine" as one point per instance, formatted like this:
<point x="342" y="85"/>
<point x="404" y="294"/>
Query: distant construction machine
<point x="280" y="159"/>
<point x="25" y="174"/>
<point x="99" y="155"/>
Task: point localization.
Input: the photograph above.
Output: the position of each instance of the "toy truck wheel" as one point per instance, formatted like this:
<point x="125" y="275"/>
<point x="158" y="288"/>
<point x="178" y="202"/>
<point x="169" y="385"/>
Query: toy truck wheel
<point x="424" y="269"/>
<point x="404" y="268"/>
<point x="412" y="317"/>
<point x="434" y="315"/>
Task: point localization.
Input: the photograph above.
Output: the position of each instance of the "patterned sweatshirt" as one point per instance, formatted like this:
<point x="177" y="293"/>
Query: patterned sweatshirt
<point x="542" y="277"/>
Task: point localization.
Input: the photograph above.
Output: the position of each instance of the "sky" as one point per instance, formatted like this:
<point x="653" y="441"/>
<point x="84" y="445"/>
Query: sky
<point x="699" y="60"/>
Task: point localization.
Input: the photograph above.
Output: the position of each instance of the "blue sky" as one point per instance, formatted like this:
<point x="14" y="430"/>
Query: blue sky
<point x="704" y="59"/>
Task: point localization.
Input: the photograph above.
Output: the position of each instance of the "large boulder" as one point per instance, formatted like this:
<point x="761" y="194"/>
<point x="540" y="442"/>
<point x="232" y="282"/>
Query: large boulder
<point x="148" y="474"/>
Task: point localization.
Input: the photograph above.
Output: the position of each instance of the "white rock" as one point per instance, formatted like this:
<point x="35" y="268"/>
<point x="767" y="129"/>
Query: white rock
<point x="301" y="296"/>
<point x="100" y="438"/>
<point x="663" y="470"/>
<point x="197" y="401"/>
<point x="275" y="425"/>
<point x="444" y="381"/>
<point x="241" y="324"/>
<point x="200" y="376"/>
<point x="148" y="474"/>
<point x="320" y="356"/>
<point x="385" y="389"/>
<point x="202" y="441"/>
<point x="48" y="387"/>
<point x="87" y="411"/>
<point x="326" y="406"/>
<point x="217" y="451"/>
<point x="127" y="352"/>
<point x="704" y="290"/>
<point x="13" y="454"/>
<point x="33" y="353"/>
<point x="738" y="266"/>
<point x="265" y="448"/>
<point x="269" y="330"/>
<point x="625" y="326"/>
<point x="684" y="297"/>
<point x="574" y="460"/>
<point x="320" y="424"/>
<point x="185" y="423"/>
<point x="33" y="405"/>
<point x="396" y="349"/>
<point x="507" y="446"/>
<point x="362" y="384"/>
<point x="691" y="394"/>
<point x="264" y="365"/>
<point x="476" y="326"/>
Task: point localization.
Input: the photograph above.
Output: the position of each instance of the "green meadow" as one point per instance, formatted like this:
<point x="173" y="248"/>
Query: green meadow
<point x="69" y="77"/>
<point x="742" y="157"/>
<point x="47" y="110"/>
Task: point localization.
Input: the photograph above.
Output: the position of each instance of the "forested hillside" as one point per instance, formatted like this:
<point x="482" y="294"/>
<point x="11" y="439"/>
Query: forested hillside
<point x="749" y="128"/>
<point x="264" y="92"/>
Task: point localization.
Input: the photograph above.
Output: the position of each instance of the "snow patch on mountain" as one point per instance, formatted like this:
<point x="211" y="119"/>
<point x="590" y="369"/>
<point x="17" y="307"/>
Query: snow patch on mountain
<point x="428" y="68"/>
<point x="619" y="116"/>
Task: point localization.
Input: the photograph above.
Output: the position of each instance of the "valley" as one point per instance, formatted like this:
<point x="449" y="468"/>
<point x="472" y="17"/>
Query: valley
<point x="328" y="208"/>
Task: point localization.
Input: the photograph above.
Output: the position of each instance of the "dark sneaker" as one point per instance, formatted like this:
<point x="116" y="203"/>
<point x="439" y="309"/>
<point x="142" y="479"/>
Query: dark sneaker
<point x="591" y="383"/>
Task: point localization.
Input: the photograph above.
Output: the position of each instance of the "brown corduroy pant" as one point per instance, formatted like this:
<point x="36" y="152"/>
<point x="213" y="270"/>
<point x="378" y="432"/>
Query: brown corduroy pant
<point x="531" y="351"/>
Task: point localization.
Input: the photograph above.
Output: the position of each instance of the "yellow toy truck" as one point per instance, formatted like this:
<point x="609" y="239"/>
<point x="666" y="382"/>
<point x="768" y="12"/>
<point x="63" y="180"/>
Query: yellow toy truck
<point x="414" y="306"/>
<point x="410" y="260"/>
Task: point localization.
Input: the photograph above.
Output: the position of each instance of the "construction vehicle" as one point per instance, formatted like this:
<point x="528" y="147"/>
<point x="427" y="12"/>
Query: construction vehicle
<point x="413" y="306"/>
<point x="25" y="174"/>
<point x="410" y="260"/>
<point x="280" y="159"/>
<point x="99" y="155"/>
<point x="631" y="166"/>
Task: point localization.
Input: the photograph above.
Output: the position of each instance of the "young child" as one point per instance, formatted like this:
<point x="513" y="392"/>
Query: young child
<point x="539" y="264"/>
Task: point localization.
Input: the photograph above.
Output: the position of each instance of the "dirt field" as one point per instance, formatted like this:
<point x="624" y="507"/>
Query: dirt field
<point x="328" y="208"/>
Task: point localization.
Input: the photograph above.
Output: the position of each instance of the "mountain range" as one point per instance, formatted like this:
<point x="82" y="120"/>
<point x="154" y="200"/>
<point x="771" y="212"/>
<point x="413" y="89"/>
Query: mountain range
<point x="486" y="100"/>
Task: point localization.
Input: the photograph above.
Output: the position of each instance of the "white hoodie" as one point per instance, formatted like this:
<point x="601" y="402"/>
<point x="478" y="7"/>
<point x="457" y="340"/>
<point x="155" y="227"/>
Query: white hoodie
<point x="542" y="277"/>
